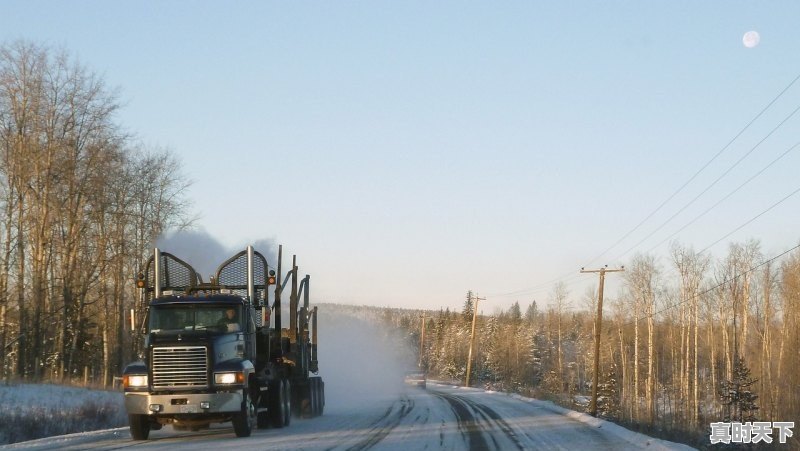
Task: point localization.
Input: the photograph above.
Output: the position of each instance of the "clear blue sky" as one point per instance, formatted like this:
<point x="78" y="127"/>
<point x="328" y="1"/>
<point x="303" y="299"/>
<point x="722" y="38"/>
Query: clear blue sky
<point x="410" y="151"/>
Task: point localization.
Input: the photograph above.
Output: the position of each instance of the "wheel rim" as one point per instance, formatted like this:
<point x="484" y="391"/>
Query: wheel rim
<point x="251" y="413"/>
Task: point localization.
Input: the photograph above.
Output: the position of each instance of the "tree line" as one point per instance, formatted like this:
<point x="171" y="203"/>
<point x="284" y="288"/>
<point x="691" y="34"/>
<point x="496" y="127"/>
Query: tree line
<point x="81" y="203"/>
<point x="686" y="342"/>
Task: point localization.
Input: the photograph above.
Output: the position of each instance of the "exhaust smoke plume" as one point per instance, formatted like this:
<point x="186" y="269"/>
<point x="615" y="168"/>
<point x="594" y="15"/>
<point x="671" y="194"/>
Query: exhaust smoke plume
<point x="205" y="253"/>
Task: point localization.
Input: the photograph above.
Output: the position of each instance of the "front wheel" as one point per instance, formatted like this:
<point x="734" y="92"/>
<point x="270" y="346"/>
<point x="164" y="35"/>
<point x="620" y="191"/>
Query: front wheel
<point x="140" y="426"/>
<point x="244" y="421"/>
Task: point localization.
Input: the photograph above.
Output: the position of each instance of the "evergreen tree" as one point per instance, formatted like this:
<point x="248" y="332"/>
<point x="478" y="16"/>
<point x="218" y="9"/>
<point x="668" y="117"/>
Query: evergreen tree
<point x="466" y="313"/>
<point x="515" y="314"/>
<point x="736" y="396"/>
<point x="531" y="314"/>
<point x="608" y="405"/>
<point x="490" y="370"/>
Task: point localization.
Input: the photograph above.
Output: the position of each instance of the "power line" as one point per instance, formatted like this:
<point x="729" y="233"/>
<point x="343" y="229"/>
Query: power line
<point x="727" y="171"/>
<point x="784" y="199"/>
<point x="660" y="206"/>
<point x="752" y="219"/>
<point x="727" y="196"/>
<point x="538" y="287"/>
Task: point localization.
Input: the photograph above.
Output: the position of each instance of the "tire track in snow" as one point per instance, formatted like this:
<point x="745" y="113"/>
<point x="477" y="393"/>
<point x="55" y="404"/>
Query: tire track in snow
<point x="467" y="422"/>
<point x="490" y="415"/>
<point x="384" y="425"/>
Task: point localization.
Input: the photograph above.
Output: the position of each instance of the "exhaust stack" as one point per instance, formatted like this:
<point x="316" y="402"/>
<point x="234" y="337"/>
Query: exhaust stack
<point x="278" y="289"/>
<point x="251" y="285"/>
<point x="293" y="303"/>
<point x="157" y="273"/>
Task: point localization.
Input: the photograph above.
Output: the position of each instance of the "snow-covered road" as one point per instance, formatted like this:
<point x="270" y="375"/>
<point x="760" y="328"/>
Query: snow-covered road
<point x="441" y="417"/>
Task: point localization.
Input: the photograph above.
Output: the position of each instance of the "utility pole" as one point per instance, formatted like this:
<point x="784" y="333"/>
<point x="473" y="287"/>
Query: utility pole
<point x="422" y="340"/>
<point x="598" y="324"/>
<point x="472" y="337"/>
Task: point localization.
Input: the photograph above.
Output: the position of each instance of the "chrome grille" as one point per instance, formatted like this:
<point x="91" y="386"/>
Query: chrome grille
<point x="180" y="367"/>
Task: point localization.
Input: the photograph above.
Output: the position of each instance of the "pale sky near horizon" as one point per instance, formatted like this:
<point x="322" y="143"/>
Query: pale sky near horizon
<point x="410" y="151"/>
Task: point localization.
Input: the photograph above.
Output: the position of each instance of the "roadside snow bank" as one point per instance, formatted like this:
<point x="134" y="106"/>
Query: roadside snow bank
<point x="31" y="411"/>
<point x="634" y="438"/>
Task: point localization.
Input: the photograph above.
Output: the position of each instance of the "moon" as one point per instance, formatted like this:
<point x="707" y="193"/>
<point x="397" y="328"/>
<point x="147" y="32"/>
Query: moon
<point x="751" y="39"/>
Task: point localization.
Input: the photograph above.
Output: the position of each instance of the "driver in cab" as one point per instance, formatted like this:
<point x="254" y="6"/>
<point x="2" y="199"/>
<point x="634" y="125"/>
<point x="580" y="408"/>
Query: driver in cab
<point x="229" y="322"/>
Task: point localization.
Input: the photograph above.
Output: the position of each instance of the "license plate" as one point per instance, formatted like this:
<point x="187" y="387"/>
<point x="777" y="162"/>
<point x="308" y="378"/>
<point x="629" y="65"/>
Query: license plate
<point x="188" y="408"/>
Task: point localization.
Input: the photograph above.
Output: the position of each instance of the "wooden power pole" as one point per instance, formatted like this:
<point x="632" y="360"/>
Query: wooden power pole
<point x="598" y="324"/>
<point x="472" y="337"/>
<point x="422" y="341"/>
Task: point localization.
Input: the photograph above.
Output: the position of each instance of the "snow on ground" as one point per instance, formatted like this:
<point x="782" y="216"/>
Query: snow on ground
<point x="30" y="411"/>
<point x="629" y="437"/>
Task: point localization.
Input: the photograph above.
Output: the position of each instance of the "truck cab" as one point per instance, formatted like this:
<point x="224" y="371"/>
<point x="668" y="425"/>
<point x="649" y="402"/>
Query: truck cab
<point x="197" y="366"/>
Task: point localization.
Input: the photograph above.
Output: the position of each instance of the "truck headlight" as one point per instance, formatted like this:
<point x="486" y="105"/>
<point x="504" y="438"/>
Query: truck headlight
<point x="134" y="380"/>
<point x="229" y="378"/>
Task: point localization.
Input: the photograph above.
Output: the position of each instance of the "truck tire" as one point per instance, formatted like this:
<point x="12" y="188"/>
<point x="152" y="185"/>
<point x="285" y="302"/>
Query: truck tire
<point x="277" y="404"/>
<point x="313" y="397"/>
<point x="140" y="426"/>
<point x="321" y="396"/>
<point x="244" y="421"/>
<point x="287" y="397"/>
<point x="311" y="412"/>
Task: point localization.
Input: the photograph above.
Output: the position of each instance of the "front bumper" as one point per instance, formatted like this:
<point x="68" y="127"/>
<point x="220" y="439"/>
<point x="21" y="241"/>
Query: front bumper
<point x="176" y="404"/>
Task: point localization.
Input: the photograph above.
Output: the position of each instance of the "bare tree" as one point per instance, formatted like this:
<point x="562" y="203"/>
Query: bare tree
<point x="560" y="304"/>
<point x="641" y="277"/>
<point x="691" y="269"/>
<point x="73" y="235"/>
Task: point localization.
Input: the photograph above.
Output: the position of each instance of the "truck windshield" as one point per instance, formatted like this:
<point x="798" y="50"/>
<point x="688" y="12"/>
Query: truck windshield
<point x="177" y="318"/>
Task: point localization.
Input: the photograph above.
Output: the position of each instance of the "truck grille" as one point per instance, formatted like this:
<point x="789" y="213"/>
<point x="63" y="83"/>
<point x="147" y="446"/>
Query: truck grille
<point x="180" y="367"/>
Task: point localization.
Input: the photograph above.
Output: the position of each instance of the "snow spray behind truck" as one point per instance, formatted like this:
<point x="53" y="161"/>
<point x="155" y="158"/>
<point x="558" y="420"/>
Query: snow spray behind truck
<point x="210" y="355"/>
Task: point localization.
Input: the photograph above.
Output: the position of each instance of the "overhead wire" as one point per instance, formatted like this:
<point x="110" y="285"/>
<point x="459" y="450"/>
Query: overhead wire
<point x="752" y="219"/>
<point x="725" y="173"/>
<point x="537" y="288"/>
<point x="726" y="197"/>
<point x="572" y="275"/>
<point x="687" y="182"/>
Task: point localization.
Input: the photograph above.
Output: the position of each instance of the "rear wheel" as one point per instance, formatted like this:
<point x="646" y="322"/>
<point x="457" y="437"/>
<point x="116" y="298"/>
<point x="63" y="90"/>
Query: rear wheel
<point x="287" y="398"/>
<point x="314" y="397"/>
<point x="321" y="396"/>
<point x="140" y="426"/>
<point x="277" y="404"/>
